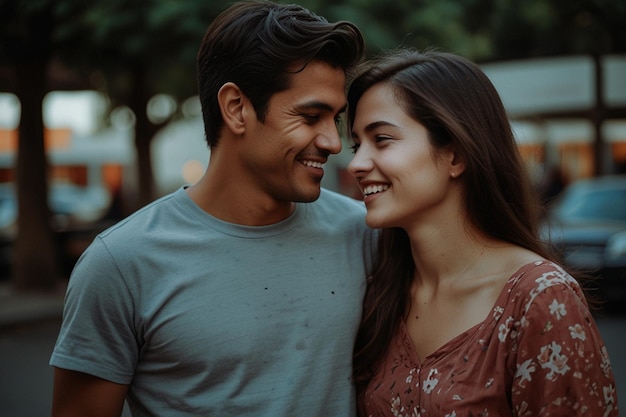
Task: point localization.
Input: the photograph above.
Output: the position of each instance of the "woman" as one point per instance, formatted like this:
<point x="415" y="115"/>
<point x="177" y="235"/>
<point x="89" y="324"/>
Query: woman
<point x="466" y="314"/>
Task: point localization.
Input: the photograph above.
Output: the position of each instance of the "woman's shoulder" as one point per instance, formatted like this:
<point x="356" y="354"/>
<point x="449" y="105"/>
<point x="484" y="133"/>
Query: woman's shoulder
<point x="541" y="274"/>
<point x="525" y="269"/>
<point x="539" y="283"/>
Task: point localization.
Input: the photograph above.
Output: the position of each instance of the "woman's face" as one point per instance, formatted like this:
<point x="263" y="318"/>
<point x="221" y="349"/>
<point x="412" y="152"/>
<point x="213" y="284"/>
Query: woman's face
<point x="404" y="180"/>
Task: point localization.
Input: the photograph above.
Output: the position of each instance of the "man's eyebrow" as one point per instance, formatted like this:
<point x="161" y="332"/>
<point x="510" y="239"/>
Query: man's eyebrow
<point x="319" y="105"/>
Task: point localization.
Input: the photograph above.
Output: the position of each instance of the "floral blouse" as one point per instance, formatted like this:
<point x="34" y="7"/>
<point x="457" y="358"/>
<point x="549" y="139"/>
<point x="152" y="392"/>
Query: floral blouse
<point x="539" y="353"/>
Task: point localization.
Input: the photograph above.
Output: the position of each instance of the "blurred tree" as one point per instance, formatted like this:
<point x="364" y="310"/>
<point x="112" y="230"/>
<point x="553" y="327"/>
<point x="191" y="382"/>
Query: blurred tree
<point x="420" y="24"/>
<point x="129" y="51"/>
<point x="530" y="28"/>
<point x="26" y="29"/>
<point x="487" y="30"/>
<point x="138" y="50"/>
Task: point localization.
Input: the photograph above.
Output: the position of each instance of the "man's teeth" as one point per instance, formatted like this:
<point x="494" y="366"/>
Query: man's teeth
<point x="313" y="164"/>
<point x="373" y="189"/>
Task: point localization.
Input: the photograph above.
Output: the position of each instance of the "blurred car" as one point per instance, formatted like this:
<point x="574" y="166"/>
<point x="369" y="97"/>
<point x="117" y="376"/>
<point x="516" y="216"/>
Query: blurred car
<point x="75" y="210"/>
<point x="586" y="224"/>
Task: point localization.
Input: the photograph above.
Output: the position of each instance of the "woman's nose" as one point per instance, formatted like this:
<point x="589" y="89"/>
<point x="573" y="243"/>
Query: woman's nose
<point x="360" y="163"/>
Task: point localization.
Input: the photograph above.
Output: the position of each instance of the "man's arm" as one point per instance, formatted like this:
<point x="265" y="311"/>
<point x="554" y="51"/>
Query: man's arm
<point x="77" y="394"/>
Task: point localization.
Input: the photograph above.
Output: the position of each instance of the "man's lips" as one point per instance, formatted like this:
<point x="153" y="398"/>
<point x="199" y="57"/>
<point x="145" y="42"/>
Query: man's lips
<point x="314" y="167"/>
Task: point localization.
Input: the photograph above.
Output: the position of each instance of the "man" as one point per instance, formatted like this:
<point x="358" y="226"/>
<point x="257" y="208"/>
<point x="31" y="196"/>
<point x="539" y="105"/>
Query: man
<point x="231" y="297"/>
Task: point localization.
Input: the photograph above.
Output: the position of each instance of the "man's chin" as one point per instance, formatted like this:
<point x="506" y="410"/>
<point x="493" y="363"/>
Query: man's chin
<point x="309" y="196"/>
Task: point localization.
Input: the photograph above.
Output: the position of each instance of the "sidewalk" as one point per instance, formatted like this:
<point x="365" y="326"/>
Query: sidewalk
<point x="17" y="308"/>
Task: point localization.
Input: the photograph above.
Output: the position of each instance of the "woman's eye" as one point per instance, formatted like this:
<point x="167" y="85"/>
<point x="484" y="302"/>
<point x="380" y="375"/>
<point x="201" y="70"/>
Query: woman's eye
<point x="381" y="138"/>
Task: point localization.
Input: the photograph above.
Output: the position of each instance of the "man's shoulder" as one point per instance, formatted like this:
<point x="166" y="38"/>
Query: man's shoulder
<point x="150" y="216"/>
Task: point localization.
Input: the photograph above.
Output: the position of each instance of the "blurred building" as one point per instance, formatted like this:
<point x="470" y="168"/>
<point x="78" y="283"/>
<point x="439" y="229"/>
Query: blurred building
<point x="568" y="113"/>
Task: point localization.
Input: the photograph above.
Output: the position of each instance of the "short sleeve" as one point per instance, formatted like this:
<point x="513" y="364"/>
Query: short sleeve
<point x="562" y="365"/>
<point x="98" y="332"/>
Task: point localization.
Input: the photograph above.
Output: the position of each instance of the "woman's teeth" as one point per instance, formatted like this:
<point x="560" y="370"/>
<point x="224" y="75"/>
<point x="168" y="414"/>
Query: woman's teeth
<point x="373" y="189"/>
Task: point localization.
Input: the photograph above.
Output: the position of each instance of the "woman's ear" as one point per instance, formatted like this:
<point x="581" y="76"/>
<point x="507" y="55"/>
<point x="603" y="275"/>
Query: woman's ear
<point x="455" y="162"/>
<point x="232" y="106"/>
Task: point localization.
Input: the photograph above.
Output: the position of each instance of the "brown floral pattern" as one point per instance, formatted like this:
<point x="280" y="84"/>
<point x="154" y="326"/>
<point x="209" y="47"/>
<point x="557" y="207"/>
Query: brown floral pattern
<point x="539" y="353"/>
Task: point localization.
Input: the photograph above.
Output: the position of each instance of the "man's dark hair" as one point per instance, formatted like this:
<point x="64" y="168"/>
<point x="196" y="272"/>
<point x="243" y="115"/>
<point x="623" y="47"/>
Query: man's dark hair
<point x="258" y="45"/>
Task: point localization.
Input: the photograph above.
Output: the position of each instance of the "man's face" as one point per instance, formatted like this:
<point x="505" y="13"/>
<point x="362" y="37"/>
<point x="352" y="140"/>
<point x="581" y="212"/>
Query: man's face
<point x="286" y="152"/>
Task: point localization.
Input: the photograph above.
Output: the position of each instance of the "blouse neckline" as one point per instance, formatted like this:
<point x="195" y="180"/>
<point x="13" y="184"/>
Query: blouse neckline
<point x="458" y="340"/>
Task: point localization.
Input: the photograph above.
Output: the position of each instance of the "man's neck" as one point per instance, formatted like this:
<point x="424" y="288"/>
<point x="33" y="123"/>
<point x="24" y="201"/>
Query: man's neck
<point x="233" y="202"/>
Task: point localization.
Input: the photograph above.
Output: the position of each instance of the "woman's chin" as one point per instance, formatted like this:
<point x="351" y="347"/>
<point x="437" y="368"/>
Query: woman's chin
<point x="373" y="221"/>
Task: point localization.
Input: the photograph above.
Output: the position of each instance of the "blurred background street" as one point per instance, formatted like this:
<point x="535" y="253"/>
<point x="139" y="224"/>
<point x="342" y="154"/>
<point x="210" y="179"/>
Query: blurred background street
<point x="26" y="383"/>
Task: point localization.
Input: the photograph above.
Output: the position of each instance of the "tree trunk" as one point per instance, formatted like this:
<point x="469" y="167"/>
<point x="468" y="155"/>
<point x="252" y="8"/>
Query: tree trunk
<point x="35" y="263"/>
<point x="143" y="138"/>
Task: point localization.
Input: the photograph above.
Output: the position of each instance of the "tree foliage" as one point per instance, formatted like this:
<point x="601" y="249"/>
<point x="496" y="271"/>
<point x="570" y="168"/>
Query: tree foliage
<point x="488" y="30"/>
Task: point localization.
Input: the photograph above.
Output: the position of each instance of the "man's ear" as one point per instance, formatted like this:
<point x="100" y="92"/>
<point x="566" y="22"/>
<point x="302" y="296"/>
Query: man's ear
<point x="232" y="106"/>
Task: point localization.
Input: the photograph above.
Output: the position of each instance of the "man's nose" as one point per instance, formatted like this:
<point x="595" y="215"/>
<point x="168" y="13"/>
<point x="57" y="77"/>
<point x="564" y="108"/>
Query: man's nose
<point x="329" y="140"/>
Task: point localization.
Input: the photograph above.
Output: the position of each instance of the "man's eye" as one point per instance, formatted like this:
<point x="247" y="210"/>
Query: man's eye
<point x="311" y="118"/>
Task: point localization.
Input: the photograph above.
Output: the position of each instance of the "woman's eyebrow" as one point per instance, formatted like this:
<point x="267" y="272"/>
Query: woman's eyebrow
<point x="373" y="126"/>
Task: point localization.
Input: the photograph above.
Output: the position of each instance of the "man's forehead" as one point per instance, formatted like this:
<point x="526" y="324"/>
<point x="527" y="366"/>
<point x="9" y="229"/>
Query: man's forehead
<point x="318" y="86"/>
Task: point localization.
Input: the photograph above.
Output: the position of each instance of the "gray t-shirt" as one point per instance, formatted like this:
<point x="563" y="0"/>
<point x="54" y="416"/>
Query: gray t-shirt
<point x="203" y="317"/>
